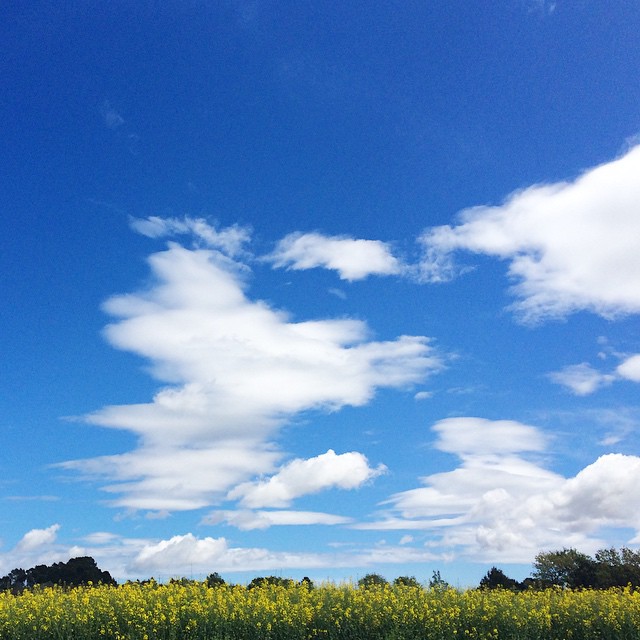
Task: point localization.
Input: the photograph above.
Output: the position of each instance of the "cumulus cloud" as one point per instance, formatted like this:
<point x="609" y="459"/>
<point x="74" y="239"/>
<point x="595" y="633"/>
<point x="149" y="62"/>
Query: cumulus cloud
<point x="246" y="519"/>
<point x="302" y="477"/>
<point x="501" y="503"/>
<point x="570" y="246"/>
<point x="352" y="259"/>
<point x="37" y="538"/>
<point x="233" y="370"/>
<point x="629" y="369"/>
<point x="37" y="546"/>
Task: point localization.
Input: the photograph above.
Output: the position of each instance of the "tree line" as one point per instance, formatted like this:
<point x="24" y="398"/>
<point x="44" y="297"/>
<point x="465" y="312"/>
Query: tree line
<point x="572" y="569"/>
<point x="76" y="572"/>
<point x="567" y="568"/>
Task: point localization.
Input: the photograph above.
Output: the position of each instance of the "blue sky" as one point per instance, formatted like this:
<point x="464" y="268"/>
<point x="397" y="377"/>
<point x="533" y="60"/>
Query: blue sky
<point x="318" y="289"/>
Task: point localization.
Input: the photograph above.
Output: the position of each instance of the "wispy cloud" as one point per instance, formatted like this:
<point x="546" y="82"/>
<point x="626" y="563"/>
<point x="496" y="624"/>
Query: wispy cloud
<point x="570" y="246"/>
<point x="542" y="7"/>
<point x="352" y="259"/>
<point x="501" y="503"/>
<point x="246" y="519"/>
<point x="235" y="370"/>
<point x="583" y="379"/>
<point x="230" y="240"/>
<point x="112" y="118"/>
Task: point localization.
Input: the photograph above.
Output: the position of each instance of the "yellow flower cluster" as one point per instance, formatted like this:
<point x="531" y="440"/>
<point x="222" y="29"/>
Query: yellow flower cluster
<point x="194" y="611"/>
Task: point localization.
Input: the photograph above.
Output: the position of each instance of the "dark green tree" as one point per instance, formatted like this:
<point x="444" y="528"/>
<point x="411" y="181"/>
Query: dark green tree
<point x="80" y="571"/>
<point x="631" y="561"/>
<point x="617" y="568"/>
<point x="15" y="580"/>
<point x="261" y="581"/>
<point x="75" y="572"/>
<point x="567" y="568"/>
<point x="185" y="582"/>
<point x="496" y="579"/>
<point x="406" y="581"/>
<point x="372" y="580"/>
<point x="215" y="580"/>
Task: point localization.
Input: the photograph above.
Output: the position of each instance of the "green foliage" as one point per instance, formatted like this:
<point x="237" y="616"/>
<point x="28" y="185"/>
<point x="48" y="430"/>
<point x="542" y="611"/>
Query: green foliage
<point x="263" y="581"/>
<point x="75" y="572"/>
<point x="572" y="569"/>
<point x="214" y="580"/>
<point x="617" y="568"/>
<point x="372" y="580"/>
<point x="566" y="568"/>
<point x="496" y="579"/>
<point x="437" y="582"/>
<point x="406" y="581"/>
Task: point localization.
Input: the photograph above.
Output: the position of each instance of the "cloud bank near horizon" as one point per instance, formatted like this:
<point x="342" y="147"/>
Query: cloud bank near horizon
<point x="502" y="502"/>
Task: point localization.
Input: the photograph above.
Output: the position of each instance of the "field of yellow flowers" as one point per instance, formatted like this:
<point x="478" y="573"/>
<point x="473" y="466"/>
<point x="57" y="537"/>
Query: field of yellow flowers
<point x="196" y="611"/>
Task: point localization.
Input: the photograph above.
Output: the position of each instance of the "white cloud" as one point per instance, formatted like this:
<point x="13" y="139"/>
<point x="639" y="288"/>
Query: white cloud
<point x="499" y="506"/>
<point x="230" y="240"/>
<point x="571" y="246"/>
<point x="246" y="519"/>
<point x="37" y="538"/>
<point x="302" y="477"/>
<point x="601" y="494"/>
<point x="190" y="555"/>
<point x="477" y="436"/>
<point x="352" y="259"/>
<point x="38" y="546"/>
<point x="173" y="556"/>
<point x="629" y="369"/>
<point x="582" y="379"/>
<point x="100" y="538"/>
<point x="235" y="370"/>
<point x="178" y="476"/>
